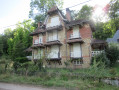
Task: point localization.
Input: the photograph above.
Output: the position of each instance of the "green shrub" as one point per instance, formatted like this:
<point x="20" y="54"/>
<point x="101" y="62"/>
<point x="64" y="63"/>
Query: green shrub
<point x="112" y="53"/>
<point x="21" y="59"/>
<point x="102" y="58"/>
<point x="112" y="71"/>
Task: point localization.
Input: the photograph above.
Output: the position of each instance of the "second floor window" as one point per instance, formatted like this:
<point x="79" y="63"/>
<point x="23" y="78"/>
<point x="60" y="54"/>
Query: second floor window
<point x="75" y="33"/>
<point x="53" y="36"/>
<point x="40" y="38"/>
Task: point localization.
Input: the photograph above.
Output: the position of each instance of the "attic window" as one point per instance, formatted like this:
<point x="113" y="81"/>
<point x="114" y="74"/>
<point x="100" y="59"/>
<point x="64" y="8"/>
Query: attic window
<point x="54" y="22"/>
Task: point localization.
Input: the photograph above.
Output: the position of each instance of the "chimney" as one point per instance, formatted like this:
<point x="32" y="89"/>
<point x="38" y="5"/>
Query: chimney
<point x="68" y="14"/>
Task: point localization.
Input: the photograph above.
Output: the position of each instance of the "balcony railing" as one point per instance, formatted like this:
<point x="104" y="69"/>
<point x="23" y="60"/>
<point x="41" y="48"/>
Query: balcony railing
<point x="53" y="55"/>
<point x="52" y="38"/>
<point x="74" y="36"/>
<point x="96" y="53"/>
<point x="75" y="54"/>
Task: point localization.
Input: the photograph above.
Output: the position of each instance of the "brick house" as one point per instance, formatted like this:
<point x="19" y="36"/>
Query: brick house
<point x="60" y="39"/>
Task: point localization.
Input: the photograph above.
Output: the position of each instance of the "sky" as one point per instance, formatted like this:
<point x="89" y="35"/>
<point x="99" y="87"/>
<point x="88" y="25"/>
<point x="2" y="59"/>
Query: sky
<point x="13" y="11"/>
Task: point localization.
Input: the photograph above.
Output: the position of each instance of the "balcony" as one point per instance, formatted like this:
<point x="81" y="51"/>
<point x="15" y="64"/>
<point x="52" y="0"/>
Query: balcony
<point x="51" y="38"/>
<point x="53" y="56"/>
<point x="94" y="53"/>
<point x="75" y="54"/>
<point x="72" y="36"/>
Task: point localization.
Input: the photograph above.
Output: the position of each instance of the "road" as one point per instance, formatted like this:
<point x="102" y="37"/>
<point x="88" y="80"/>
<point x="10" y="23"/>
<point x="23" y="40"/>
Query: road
<point x="8" y="86"/>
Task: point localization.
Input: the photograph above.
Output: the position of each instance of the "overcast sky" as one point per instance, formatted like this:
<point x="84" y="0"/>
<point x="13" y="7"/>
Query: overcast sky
<point x="12" y="11"/>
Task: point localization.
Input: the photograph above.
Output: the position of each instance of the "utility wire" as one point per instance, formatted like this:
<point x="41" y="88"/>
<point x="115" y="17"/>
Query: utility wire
<point x="62" y="9"/>
<point x="78" y="4"/>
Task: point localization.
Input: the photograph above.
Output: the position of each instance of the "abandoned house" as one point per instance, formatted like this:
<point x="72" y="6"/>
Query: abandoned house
<point x="59" y="39"/>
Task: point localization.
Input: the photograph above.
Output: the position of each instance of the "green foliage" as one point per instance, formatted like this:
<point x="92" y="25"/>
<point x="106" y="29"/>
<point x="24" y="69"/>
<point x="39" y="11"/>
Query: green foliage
<point x="105" y="30"/>
<point x="42" y="6"/>
<point x="114" y="8"/>
<point x="113" y="71"/>
<point x="3" y="41"/>
<point x="100" y="59"/>
<point x="112" y="53"/>
<point x="21" y="59"/>
<point x="21" y="40"/>
<point x="85" y="12"/>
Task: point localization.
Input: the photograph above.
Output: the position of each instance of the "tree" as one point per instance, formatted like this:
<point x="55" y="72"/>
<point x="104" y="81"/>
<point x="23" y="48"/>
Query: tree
<point x="112" y="53"/>
<point x="21" y="40"/>
<point x="114" y="9"/>
<point x="85" y="12"/>
<point x="1" y="46"/>
<point x="105" y="30"/>
<point x="114" y="12"/>
<point x="8" y="33"/>
<point x="42" y="6"/>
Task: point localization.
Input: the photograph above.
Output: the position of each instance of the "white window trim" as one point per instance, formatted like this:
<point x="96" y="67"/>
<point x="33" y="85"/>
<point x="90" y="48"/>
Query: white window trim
<point x="77" y="62"/>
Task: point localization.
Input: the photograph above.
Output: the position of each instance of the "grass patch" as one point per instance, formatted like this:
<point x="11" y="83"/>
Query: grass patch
<point x="58" y="78"/>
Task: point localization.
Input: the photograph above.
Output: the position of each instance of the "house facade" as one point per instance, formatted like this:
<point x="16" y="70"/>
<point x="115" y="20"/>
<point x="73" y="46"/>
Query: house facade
<point x="59" y="40"/>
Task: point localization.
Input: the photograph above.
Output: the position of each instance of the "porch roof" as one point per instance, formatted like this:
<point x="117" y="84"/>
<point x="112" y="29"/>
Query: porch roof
<point x="38" y="32"/>
<point x="96" y="43"/>
<point x="37" y="45"/>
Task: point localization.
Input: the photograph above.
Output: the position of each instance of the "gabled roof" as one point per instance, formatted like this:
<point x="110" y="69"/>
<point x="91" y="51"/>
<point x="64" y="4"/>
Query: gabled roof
<point x="115" y="38"/>
<point x="53" y="9"/>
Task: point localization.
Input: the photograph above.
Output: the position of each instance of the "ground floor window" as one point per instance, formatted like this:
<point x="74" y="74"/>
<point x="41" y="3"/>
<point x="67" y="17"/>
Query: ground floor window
<point x="77" y="62"/>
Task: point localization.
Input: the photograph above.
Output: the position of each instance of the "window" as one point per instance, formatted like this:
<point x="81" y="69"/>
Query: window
<point x="53" y="36"/>
<point x="40" y="38"/>
<point x="54" y="21"/>
<point x="75" y="33"/>
<point x="76" y="53"/>
<point x="54" y="52"/>
<point x="77" y="62"/>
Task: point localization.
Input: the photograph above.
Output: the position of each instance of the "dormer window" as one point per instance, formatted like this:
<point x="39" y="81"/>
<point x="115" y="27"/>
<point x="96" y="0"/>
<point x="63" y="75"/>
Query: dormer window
<point x="54" y="21"/>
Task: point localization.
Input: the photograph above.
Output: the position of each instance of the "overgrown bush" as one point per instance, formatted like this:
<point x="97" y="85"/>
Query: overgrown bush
<point x="21" y="59"/>
<point x="112" y="53"/>
<point x="101" y="58"/>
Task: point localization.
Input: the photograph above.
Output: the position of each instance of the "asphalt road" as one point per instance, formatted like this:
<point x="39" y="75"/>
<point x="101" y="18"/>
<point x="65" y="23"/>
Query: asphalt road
<point x="8" y="86"/>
